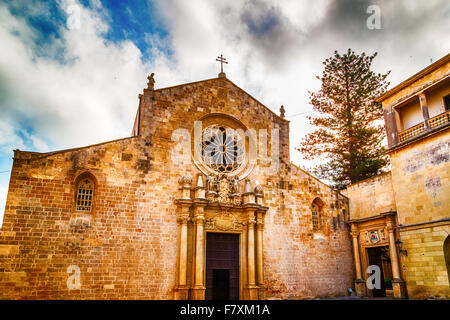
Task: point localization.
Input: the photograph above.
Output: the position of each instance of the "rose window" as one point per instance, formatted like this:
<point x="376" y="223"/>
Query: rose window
<point x="222" y="149"/>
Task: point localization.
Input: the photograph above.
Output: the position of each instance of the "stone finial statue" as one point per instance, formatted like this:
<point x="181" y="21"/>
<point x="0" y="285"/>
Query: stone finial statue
<point x="235" y="185"/>
<point x="199" y="181"/>
<point x="282" y="112"/>
<point x="248" y="187"/>
<point x="210" y="184"/>
<point x="151" y="82"/>
<point x="259" y="190"/>
<point x="185" y="181"/>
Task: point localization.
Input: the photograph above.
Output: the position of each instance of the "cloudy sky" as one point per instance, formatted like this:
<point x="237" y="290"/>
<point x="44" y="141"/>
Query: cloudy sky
<point x="71" y="71"/>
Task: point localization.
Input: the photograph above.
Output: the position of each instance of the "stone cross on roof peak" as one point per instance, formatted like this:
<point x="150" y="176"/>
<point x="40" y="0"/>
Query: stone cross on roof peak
<point x="222" y="60"/>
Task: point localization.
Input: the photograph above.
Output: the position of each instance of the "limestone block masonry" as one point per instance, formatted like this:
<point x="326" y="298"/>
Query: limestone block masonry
<point x="127" y="246"/>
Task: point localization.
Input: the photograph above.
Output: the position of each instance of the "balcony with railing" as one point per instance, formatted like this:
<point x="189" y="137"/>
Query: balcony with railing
<point x="429" y="124"/>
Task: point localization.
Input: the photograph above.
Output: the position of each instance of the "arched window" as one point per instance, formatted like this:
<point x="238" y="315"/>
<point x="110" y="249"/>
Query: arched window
<point x="315" y="216"/>
<point x="316" y="210"/>
<point x="85" y="195"/>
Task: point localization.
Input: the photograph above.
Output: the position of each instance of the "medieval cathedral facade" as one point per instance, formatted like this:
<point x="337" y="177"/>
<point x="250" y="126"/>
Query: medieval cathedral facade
<point x="203" y="202"/>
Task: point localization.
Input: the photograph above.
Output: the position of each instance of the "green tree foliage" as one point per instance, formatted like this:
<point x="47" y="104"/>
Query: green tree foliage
<point x="348" y="139"/>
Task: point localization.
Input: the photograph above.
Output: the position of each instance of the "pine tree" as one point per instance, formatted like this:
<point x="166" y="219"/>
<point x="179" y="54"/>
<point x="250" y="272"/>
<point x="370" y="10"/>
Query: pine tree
<point x="349" y="134"/>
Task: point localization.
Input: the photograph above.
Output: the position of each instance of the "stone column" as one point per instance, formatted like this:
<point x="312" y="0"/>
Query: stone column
<point x="398" y="284"/>
<point x="251" y="285"/>
<point x="360" y="285"/>
<point x="182" y="291"/>
<point x="198" y="291"/>
<point x="259" y="255"/>
<point x="391" y="126"/>
<point x="424" y="107"/>
<point x="244" y="273"/>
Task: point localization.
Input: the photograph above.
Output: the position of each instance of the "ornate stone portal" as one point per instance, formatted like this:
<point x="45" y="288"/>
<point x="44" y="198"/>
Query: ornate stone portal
<point x="215" y="204"/>
<point x="375" y="232"/>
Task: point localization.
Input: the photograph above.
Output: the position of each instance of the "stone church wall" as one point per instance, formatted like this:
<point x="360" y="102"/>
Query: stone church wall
<point x="126" y="247"/>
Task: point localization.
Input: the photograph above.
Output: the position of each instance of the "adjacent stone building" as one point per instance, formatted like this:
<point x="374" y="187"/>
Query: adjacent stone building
<point x="411" y="203"/>
<point x="201" y="201"/>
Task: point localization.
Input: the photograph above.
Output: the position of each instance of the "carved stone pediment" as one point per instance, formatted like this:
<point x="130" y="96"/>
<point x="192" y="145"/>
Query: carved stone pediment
<point x="223" y="221"/>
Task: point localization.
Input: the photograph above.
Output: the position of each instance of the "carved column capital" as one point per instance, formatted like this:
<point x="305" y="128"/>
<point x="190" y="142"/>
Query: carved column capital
<point x="184" y="219"/>
<point x="259" y="220"/>
<point x="390" y="227"/>
<point x="251" y="219"/>
<point x="199" y="220"/>
<point x="259" y="224"/>
<point x="199" y="207"/>
<point x="354" y="231"/>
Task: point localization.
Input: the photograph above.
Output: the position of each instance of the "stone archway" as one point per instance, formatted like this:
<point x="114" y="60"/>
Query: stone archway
<point x="447" y="255"/>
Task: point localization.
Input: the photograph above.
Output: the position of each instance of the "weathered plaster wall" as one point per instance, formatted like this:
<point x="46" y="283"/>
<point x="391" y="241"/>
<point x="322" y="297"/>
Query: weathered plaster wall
<point x="421" y="179"/>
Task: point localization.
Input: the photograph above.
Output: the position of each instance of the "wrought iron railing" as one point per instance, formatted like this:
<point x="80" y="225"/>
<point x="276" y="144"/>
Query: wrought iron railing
<point x="417" y="130"/>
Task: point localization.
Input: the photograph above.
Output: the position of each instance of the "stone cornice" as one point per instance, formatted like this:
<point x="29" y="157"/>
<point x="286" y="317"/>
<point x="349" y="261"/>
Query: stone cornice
<point x="414" y="78"/>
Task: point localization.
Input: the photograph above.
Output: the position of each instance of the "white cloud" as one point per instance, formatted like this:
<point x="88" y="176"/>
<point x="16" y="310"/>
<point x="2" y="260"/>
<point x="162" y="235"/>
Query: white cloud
<point x="274" y="48"/>
<point x="91" y="99"/>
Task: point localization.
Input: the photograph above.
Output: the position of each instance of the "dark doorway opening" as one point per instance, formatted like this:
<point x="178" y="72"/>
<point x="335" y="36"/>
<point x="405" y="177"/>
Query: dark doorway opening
<point x="222" y="266"/>
<point x="378" y="256"/>
<point x="221" y="284"/>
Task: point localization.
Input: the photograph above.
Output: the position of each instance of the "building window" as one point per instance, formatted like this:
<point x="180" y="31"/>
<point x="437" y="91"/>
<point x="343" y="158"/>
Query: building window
<point x="315" y="216"/>
<point x="85" y="195"/>
<point x="316" y="212"/>
<point x="447" y="102"/>
<point x="222" y="149"/>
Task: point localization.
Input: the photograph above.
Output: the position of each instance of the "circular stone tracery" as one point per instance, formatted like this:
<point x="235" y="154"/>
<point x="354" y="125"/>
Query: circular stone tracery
<point x="222" y="149"/>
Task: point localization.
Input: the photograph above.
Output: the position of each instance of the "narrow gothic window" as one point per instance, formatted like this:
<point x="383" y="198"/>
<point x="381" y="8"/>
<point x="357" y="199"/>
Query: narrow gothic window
<point x="315" y="216"/>
<point x="85" y="194"/>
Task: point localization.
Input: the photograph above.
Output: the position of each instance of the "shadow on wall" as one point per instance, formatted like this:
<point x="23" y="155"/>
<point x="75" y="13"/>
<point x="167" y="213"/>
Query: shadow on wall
<point x="447" y="256"/>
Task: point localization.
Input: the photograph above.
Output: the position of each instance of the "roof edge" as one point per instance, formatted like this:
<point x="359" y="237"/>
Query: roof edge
<point x="210" y="79"/>
<point x="317" y="179"/>
<point x="40" y="155"/>
<point x="445" y="59"/>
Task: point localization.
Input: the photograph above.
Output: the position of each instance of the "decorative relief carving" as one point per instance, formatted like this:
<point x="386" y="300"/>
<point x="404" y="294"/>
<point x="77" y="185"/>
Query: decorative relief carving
<point x="373" y="236"/>
<point x="382" y="235"/>
<point x="223" y="221"/>
<point x="223" y="189"/>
